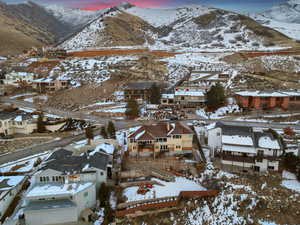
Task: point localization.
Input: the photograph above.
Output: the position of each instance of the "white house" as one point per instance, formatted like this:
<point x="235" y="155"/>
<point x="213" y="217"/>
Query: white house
<point x="64" y="187"/>
<point x="10" y="186"/>
<point x="243" y="148"/>
<point x="58" y="203"/>
<point x="14" y="78"/>
<point x="17" y="122"/>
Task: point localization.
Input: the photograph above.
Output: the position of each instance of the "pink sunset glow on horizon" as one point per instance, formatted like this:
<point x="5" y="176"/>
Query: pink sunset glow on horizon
<point x="139" y="3"/>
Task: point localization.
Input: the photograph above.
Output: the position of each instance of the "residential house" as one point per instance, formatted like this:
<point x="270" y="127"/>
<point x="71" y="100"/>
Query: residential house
<point x="64" y="187"/>
<point x="138" y="90"/>
<point x="267" y="99"/>
<point x="10" y="186"/>
<point x="17" y="78"/>
<point x="17" y="122"/>
<point x="189" y="96"/>
<point x="50" y="84"/>
<point x="167" y="99"/>
<point x="162" y="138"/>
<point x="205" y="79"/>
<point x="245" y="148"/>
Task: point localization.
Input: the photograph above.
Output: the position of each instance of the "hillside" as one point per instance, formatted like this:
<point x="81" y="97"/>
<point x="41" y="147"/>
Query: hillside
<point x="15" y="35"/>
<point x="284" y="18"/>
<point x="29" y="24"/>
<point x="184" y="27"/>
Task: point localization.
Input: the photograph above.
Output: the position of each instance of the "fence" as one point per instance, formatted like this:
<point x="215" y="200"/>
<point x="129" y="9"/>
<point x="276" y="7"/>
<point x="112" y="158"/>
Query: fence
<point x="157" y="203"/>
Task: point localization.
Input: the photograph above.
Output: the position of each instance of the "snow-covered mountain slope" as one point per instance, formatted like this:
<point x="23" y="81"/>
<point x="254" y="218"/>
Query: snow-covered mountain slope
<point x="185" y="27"/>
<point x="164" y="17"/>
<point x="286" y="12"/>
<point x="284" y="18"/>
<point x="291" y="30"/>
<point x="74" y="17"/>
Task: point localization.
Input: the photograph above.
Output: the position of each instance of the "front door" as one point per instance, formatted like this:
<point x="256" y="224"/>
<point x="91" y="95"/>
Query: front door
<point x="256" y="168"/>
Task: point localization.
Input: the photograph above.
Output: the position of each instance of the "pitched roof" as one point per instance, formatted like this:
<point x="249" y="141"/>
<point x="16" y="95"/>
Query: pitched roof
<point x="228" y="129"/>
<point x="63" y="160"/>
<point x="139" y="85"/>
<point x="266" y="140"/>
<point x="4" y="115"/>
<point x="160" y="130"/>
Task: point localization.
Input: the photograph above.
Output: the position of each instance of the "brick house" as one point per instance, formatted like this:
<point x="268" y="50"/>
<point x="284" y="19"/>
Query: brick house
<point x="267" y="99"/>
<point x="168" y="138"/>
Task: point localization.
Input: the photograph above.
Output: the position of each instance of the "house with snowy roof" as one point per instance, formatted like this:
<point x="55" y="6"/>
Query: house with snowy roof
<point x="65" y="186"/>
<point x="17" y="122"/>
<point x="10" y="186"/>
<point x="245" y="148"/>
<point x="16" y="78"/>
<point x="253" y="99"/>
<point x="161" y="138"/>
<point x="206" y="79"/>
<point x="43" y="85"/>
<point x="189" y="96"/>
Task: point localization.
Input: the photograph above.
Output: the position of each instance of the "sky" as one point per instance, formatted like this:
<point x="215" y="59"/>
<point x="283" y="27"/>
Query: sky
<point x="233" y="5"/>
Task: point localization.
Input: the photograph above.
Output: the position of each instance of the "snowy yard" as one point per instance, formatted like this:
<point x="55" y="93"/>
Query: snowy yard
<point x="290" y="181"/>
<point x="166" y="189"/>
<point x="219" y="113"/>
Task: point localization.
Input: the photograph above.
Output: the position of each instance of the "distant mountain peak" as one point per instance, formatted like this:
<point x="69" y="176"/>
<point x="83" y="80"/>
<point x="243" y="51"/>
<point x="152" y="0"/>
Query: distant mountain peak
<point x="125" y="5"/>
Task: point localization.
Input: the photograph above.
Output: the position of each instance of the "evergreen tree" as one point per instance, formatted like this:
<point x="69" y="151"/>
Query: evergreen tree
<point x="89" y="134"/>
<point x="103" y="195"/>
<point x="132" y="109"/>
<point x="215" y="96"/>
<point x="103" y="133"/>
<point x="111" y="130"/>
<point x="155" y="94"/>
<point x="41" y="127"/>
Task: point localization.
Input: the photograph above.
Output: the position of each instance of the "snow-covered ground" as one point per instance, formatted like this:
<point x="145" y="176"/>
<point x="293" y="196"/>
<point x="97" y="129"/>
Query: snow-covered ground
<point x="23" y="95"/>
<point x="22" y="165"/>
<point x="219" y="113"/>
<point x="166" y="189"/>
<point x="290" y="181"/>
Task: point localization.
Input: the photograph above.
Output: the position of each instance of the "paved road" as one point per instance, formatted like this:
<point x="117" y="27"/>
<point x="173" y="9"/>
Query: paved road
<point x="120" y="124"/>
<point x="9" y="157"/>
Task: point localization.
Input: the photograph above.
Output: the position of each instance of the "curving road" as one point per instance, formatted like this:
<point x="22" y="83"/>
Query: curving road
<point x="119" y="124"/>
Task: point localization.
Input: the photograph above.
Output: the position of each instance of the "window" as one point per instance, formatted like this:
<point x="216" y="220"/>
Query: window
<point x="164" y="147"/>
<point x="161" y="140"/>
<point x="260" y="153"/>
<point x="259" y="160"/>
<point x="178" y="146"/>
<point x="271" y="167"/>
<point x="102" y="173"/>
<point x="177" y="136"/>
<point x="85" y="194"/>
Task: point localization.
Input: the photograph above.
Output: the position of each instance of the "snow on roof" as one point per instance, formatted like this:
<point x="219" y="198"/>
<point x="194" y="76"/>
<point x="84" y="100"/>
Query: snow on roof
<point x="190" y="93"/>
<point x="167" y="96"/>
<point x="237" y="140"/>
<point x="140" y="134"/>
<point x="261" y="93"/>
<point x="8" y="182"/>
<point x="267" y="142"/>
<point x="18" y="118"/>
<point x="243" y="149"/>
<point x="56" y="189"/>
<point x="43" y="80"/>
<point x="167" y="189"/>
<point x="105" y="147"/>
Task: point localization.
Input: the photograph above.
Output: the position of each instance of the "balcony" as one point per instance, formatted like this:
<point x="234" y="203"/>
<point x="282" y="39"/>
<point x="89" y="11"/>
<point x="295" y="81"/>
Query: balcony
<point x="235" y="158"/>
